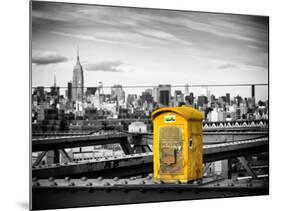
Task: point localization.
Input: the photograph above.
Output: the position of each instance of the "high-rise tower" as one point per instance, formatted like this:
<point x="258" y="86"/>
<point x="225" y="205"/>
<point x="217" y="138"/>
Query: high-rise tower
<point x="164" y="94"/>
<point x="78" y="80"/>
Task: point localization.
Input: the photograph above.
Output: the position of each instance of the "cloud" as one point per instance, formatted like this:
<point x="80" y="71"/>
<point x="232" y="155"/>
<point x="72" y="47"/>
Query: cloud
<point x="162" y="36"/>
<point x="238" y="39"/>
<point x="47" y="57"/>
<point x="93" y="38"/>
<point x="105" y="66"/>
<point x="147" y="28"/>
<point x="227" y="66"/>
<point x="94" y="24"/>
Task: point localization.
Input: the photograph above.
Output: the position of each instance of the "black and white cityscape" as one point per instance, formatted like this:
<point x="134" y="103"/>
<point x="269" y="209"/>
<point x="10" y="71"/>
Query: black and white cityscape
<point x="98" y="74"/>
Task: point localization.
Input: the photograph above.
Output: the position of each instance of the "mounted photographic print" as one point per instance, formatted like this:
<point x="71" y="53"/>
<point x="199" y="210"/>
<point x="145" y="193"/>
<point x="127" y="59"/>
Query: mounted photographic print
<point x="133" y="105"/>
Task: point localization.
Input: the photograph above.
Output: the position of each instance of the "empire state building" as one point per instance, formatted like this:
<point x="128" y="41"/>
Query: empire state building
<point x="78" y="81"/>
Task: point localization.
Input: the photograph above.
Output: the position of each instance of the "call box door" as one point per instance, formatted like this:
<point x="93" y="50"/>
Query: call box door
<point x="171" y="150"/>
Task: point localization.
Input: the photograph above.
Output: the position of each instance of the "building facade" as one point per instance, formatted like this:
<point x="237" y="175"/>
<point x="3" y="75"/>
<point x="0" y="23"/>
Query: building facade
<point x="78" y="81"/>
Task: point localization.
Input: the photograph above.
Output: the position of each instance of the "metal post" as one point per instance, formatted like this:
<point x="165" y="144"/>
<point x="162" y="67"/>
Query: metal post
<point x="65" y="155"/>
<point x="250" y="171"/>
<point x="126" y="147"/>
<point x="225" y="170"/>
<point x="39" y="158"/>
<point x="53" y="156"/>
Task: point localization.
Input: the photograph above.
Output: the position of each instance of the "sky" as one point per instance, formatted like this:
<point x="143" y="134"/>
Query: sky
<point x="134" y="46"/>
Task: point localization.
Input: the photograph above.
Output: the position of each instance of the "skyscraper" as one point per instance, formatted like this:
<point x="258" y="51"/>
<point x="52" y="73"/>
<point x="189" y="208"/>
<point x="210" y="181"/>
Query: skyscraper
<point x="202" y="100"/>
<point x="55" y="91"/>
<point x="253" y="91"/>
<point x="69" y="91"/>
<point x="164" y="94"/>
<point x="78" y="81"/>
<point x="155" y="94"/>
<point x="191" y="98"/>
<point x="178" y="98"/>
<point x="146" y="96"/>
<point x="39" y="94"/>
<point x="186" y="92"/>
<point x="117" y="93"/>
<point x="228" y="98"/>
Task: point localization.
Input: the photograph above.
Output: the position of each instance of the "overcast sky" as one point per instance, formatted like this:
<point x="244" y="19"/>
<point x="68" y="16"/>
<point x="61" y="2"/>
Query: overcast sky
<point x="132" y="46"/>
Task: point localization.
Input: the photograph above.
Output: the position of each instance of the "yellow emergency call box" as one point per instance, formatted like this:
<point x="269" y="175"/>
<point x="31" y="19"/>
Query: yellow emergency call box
<point x="177" y="144"/>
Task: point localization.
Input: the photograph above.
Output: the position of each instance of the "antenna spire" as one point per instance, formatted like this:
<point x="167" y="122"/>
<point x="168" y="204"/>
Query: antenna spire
<point x="78" y="59"/>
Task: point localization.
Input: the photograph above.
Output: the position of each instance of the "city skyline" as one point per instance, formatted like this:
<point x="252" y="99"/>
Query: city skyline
<point x="151" y="47"/>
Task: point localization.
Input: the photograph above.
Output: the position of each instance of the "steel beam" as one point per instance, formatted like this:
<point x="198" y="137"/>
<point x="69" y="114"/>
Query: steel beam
<point x="206" y="167"/>
<point x="234" y="129"/>
<point x="256" y="133"/>
<point x="51" y="143"/>
<point x="228" y="150"/>
<point x="70" y="133"/>
<point x="64" y="153"/>
<point x="126" y="147"/>
<point x="142" y="163"/>
<point x="244" y="162"/>
<point x="71" y="196"/>
<point x="120" y="166"/>
<point x="39" y="158"/>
